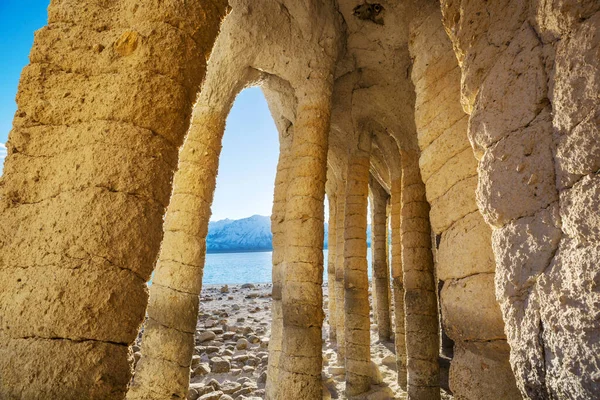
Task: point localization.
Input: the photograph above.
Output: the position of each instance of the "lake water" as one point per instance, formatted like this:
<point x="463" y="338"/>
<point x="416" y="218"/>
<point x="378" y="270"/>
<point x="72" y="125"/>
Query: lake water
<point x="239" y="268"/>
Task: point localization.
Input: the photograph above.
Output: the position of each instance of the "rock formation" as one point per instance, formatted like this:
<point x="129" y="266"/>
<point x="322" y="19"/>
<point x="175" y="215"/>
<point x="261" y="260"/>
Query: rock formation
<point x="473" y="124"/>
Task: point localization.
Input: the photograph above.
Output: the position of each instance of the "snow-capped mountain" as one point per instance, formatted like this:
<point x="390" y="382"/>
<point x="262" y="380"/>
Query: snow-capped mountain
<point x="247" y="234"/>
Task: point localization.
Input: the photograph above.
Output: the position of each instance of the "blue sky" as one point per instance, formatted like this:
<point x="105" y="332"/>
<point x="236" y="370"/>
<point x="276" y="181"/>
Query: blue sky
<point x="250" y="145"/>
<point x="18" y="20"/>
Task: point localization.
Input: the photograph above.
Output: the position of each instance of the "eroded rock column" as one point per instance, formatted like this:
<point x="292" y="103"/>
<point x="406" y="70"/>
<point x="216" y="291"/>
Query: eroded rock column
<point x="85" y="186"/>
<point x="422" y="339"/>
<point x="301" y="359"/>
<point x="533" y="105"/>
<point x="168" y="341"/>
<point x="398" y="281"/>
<point x="465" y="264"/>
<point x="356" y="281"/>
<point x="278" y="231"/>
<point x="331" y="262"/>
<point x="339" y="271"/>
<point x="381" y="275"/>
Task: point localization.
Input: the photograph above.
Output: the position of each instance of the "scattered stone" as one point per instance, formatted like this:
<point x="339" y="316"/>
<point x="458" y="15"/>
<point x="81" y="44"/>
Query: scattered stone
<point x="253" y="339"/>
<point x="229" y="387"/>
<point x="220" y="365"/>
<point x="242" y="391"/>
<point x="210" y="323"/>
<point x="201" y="389"/>
<point x="263" y="377"/>
<point x="241" y="344"/>
<point x="243" y="380"/>
<point x="196" y="360"/>
<point x="214" y="383"/>
<point x="225" y="289"/>
<point x="205" y="336"/>
<point x="248" y="369"/>
<point x="227" y="352"/>
<point x="192" y="394"/>
<point x="241" y="358"/>
<point x="201" y="370"/>
<point x="212" y="396"/>
<point x="248" y="286"/>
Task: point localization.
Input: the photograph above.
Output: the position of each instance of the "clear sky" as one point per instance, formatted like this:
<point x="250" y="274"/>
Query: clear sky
<point x="18" y="20"/>
<point x="250" y="145"/>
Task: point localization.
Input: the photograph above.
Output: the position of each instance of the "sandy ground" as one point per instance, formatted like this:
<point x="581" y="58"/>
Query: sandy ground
<point x="231" y="354"/>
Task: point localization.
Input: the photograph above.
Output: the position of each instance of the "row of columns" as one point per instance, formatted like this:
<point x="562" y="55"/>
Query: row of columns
<point x="404" y="212"/>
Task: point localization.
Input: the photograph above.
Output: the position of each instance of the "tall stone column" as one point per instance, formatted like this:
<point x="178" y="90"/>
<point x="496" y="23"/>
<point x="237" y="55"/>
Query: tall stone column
<point x="339" y="271"/>
<point x="168" y="341"/>
<point x="422" y="336"/>
<point x="302" y="275"/>
<point x="85" y="186"/>
<point x="381" y="275"/>
<point x="398" y="281"/>
<point x="534" y="125"/>
<point x="331" y="263"/>
<point x="356" y="281"/>
<point x="278" y="230"/>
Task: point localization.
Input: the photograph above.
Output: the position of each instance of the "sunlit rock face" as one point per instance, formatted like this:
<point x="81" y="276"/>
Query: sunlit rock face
<point x="473" y="125"/>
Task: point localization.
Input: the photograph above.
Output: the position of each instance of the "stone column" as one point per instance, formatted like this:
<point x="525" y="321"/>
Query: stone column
<point x="168" y="341"/>
<point x="356" y="281"/>
<point x="339" y="270"/>
<point x="535" y="127"/>
<point x="422" y="336"/>
<point x="331" y="264"/>
<point x="278" y="230"/>
<point x="398" y="281"/>
<point x="381" y="276"/>
<point x="102" y="109"/>
<point x="302" y="275"/>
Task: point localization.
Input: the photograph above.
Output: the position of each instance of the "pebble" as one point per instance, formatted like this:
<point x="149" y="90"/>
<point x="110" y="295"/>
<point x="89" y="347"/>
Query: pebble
<point x="241" y="344"/>
<point x="214" y="383"/>
<point x="212" y="396"/>
<point x="219" y="365"/>
<point x="201" y="370"/>
<point x="205" y="336"/>
<point x="229" y="387"/>
<point x="262" y="378"/>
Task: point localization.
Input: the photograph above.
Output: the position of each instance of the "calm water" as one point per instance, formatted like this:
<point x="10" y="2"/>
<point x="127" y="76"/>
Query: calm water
<point x="239" y="268"/>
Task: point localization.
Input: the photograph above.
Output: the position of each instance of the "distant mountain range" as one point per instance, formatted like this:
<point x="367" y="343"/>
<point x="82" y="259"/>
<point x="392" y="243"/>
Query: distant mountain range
<point x="247" y="234"/>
